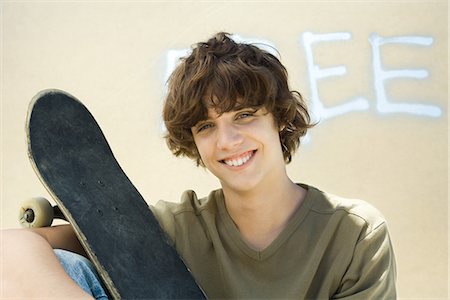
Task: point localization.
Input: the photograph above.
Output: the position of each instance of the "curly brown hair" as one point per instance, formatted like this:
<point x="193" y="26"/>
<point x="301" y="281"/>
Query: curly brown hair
<point x="228" y="76"/>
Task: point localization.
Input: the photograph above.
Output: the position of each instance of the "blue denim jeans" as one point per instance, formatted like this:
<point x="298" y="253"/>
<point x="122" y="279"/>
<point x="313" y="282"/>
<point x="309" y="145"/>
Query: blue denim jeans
<point x="82" y="272"/>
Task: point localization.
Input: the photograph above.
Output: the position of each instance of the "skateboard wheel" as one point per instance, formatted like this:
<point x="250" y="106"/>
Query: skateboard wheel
<point x="36" y="212"/>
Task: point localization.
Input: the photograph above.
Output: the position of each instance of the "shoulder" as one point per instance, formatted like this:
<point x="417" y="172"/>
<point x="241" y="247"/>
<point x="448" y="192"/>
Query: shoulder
<point x="347" y="212"/>
<point x="359" y="235"/>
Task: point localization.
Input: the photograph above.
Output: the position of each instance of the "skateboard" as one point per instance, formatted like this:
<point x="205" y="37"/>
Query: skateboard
<point x="115" y="225"/>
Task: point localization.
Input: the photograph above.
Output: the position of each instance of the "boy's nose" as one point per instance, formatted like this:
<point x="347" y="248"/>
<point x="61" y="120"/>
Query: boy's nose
<point x="228" y="137"/>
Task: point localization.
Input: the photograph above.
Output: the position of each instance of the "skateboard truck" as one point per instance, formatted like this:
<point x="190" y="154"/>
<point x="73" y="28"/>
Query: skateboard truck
<point x="38" y="212"/>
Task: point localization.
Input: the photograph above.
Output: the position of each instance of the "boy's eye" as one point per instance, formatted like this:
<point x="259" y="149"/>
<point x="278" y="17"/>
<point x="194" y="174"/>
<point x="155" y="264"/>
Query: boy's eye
<point x="203" y="127"/>
<point x="245" y="114"/>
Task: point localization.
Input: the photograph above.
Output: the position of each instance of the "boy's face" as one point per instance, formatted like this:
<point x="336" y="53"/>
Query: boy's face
<point x="241" y="148"/>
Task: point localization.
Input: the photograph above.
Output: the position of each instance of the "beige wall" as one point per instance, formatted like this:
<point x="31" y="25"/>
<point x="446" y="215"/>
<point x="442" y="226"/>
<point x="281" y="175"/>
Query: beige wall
<point x="113" y="56"/>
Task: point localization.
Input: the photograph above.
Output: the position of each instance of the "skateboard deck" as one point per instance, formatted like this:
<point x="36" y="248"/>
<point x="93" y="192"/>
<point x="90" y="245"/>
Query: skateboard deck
<point x="113" y="222"/>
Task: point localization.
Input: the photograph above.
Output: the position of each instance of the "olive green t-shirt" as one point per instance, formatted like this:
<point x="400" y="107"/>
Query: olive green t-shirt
<point x="331" y="248"/>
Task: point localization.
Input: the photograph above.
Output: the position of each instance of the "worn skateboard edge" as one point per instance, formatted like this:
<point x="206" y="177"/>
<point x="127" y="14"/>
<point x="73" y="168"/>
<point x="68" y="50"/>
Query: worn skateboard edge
<point x="81" y="237"/>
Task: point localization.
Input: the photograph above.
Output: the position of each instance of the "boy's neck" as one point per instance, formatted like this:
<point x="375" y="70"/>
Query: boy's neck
<point x="261" y="215"/>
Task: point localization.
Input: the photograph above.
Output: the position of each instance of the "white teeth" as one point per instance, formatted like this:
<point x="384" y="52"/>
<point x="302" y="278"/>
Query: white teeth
<point x="238" y="162"/>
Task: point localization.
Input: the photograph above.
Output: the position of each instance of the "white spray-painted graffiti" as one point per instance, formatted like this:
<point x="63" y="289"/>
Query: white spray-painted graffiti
<point x="380" y="75"/>
<point x="384" y="105"/>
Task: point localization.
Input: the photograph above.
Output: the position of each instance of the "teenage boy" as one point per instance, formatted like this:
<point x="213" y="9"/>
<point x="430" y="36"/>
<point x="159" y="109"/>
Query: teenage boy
<point x="229" y="108"/>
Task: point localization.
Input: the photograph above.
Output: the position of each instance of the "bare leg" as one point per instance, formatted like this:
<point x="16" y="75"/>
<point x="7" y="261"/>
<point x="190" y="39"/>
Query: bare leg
<point x="30" y="269"/>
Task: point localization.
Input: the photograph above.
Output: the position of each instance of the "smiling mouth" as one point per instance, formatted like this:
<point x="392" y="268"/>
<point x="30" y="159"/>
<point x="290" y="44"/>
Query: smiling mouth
<point x="240" y="160"/>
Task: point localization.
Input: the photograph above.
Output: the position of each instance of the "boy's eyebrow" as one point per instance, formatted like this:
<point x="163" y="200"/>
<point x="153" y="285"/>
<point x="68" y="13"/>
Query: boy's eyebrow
<point x="251" y="108"/>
